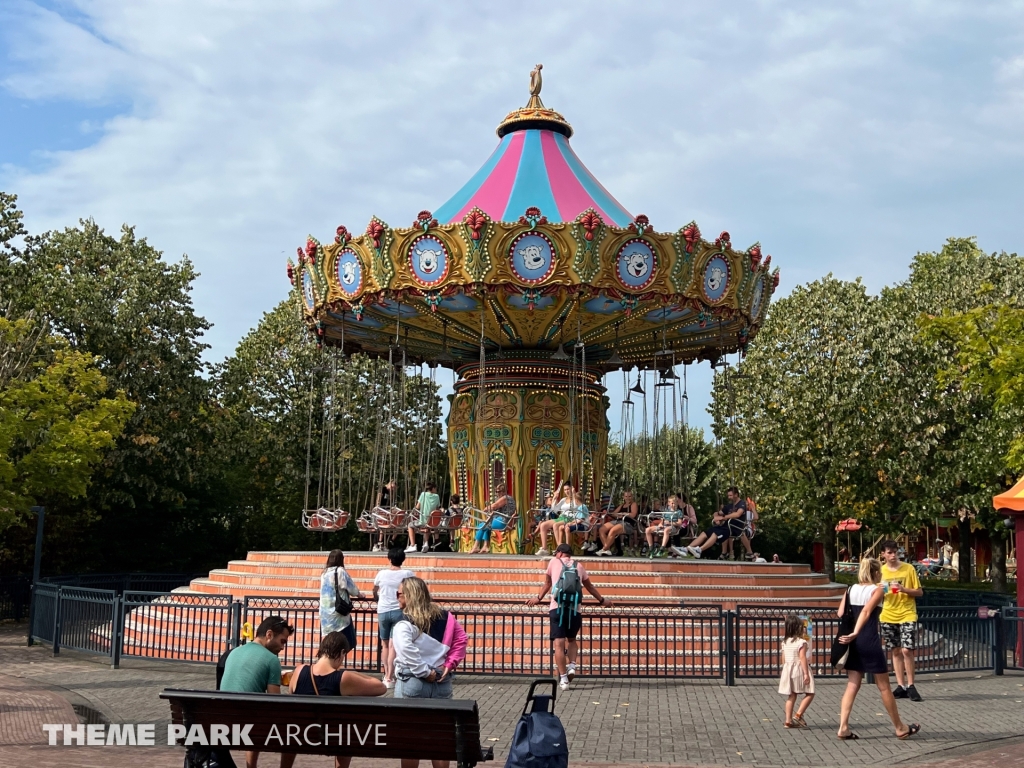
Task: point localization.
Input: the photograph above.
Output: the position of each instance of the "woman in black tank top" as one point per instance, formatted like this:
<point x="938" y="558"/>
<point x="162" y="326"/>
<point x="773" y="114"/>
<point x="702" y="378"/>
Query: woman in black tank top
<point x="325" y="677"/>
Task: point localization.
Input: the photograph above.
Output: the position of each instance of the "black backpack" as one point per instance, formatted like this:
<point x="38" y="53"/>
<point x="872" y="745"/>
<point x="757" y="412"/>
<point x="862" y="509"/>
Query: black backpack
<point x="539" y="739"/>
<point x="568" y="593"/>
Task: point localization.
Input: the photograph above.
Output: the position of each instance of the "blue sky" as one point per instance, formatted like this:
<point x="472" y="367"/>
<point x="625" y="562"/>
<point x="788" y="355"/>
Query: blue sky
<point x="844" y="137"/>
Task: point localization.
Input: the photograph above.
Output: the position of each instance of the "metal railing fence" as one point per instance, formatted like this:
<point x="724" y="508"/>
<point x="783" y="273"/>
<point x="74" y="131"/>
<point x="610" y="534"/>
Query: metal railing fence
<point x="953" y="638"/>
<point x="659" y="641"/>
<point x="15" y="596"/>
<point x="176" y="626"/>
<point x="86" y="619"/>
<point x="511" y="638"/>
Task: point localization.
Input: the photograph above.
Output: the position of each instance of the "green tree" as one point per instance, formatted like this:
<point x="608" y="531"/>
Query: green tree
<point x="117" y="301"/>
<point x="822" y="418"/>
<point x="55" y="423"/>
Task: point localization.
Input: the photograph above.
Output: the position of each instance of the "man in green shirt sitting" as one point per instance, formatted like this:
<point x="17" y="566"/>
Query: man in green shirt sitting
<point x="255" y="668"/>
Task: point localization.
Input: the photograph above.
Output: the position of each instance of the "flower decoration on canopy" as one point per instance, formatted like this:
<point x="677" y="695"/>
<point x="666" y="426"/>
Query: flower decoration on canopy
<point x="691" y="234"/>
<point x="311" y="246"/>
<point x="590" y="221"/>
<point x="475" y="221"/>
<point x="775" y="279"/>
<point x="533" y="217"/>
<point x="723" y="241"/>
<point x="375" y="230"/>
<point x="342" y="235"/>
<point x="640" y="224"/>
<point x="425" y="220"/>
<point x="755" y="256"/>
<point x="291" y="273"/>
<point x="301" y="256"/>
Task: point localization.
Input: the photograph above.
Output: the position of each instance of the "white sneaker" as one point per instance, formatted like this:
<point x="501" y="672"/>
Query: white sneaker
<point x="603" y="553"/>
<point x="376" y="548"/>
<point x="411" y="548"/>
<point x="542" y="552"/>
<point x="570" y="671"/>
<point x="389" y="684"/>
<point x="425" y="548"/>
<point x="695" y="551"/>
<point x="563" y="684"/>
<point x="682" y="551"/>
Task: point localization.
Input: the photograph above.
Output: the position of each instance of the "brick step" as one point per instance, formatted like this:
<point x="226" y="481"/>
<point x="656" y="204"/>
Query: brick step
<point x="519" y="582"/>
<point x="364" y="574"/>
<point x="416" y="560"/>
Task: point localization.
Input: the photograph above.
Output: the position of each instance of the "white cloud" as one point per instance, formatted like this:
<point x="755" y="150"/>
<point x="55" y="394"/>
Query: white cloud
<point x="843" y="137"/>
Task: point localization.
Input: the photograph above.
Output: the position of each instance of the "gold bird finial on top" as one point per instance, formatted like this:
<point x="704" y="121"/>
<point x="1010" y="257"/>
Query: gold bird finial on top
<point x="536" y="83"/>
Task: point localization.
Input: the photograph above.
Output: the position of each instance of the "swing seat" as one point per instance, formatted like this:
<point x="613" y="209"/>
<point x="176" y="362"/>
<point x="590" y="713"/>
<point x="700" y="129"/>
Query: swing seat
<point x="324" y="519"/>
<point x="451" y="522"/>
<point x="388" y="519"/>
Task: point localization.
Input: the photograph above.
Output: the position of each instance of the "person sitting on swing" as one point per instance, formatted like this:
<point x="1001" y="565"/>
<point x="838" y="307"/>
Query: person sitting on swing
<point x="570" y="513"/>
<point x="741" y="528"/>
<point x="580" y="521"/>
<point x="677" y="515"/>
<point x="425" y="506"/>
<point x="625" y="520"/>
<point x="558" y="507"/>
<point x="721" y="526"/>
<point x="499" y="512"/>
<point x="385" y="499"/>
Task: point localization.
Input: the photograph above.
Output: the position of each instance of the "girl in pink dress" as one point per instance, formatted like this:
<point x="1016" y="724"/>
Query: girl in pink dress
<point x="796" y="671"/>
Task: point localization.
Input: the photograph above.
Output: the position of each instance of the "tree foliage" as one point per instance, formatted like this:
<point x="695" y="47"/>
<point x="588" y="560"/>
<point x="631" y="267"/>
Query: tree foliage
<point x="841" y="408"/>
<point x="55" y="423"/>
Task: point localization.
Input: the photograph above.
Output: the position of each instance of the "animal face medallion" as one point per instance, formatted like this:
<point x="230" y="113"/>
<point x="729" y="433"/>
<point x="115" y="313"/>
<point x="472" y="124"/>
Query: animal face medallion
<point x="532" y="257"/>
<point x="350" y="272"/>
<point x="715" y="280"/>
<point x="428" y="260"/>
<point x="636" y="264"/>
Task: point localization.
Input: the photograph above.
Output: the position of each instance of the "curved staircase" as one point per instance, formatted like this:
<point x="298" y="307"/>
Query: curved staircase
<point x="454" y="577"/>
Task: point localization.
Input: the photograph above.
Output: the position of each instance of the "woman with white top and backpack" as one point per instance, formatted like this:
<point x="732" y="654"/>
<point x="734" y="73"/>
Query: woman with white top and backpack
<point x="429" y="643"/>
<point x="334" y="581"/>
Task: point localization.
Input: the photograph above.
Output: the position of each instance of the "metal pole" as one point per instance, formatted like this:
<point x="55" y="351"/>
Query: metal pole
<point x="36" y="563"/>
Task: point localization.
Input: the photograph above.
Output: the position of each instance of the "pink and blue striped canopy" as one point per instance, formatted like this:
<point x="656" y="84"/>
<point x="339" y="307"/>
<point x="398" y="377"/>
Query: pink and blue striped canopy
<point x="534" y="167"/>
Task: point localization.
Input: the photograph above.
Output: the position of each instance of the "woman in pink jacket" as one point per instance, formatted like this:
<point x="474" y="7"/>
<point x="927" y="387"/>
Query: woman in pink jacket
<point x="429" y="643"/>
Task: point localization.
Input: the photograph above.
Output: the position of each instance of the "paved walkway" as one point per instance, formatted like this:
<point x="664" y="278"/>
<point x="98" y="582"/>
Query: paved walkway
<point x="970" y="720"/>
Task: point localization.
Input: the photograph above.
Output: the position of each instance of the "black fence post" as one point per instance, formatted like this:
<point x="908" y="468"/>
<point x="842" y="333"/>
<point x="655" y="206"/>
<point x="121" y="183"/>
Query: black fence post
<point x="729" y="651"/>
<point x="235" y="621"/>
<point x="31" y="613"/>
<point x="57" y="620"/>
<point x="999" y="644"/>
<point x="117" y="631"/>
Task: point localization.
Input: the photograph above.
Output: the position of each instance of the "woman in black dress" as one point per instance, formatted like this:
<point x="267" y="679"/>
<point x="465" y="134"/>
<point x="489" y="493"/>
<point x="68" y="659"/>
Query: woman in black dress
<point x="866" y="654"/>
<point x="325" y="677"/>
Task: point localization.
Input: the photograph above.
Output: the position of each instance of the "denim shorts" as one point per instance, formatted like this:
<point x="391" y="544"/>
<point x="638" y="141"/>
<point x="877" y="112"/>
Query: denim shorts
<point x="386" y="623"/>
<point x="414" y="688"/>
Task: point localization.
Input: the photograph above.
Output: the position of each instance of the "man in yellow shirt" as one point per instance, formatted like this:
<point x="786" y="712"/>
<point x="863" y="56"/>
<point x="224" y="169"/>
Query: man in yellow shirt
<point x="899" y="618"/>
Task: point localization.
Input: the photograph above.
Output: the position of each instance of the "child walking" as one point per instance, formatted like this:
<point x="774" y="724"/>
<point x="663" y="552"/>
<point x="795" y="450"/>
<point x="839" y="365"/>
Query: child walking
<point x="796" y="671"/>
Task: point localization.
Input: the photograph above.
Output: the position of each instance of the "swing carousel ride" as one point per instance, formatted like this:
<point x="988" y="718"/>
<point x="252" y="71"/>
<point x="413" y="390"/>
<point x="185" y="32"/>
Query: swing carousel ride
<point x="532" y="283"/>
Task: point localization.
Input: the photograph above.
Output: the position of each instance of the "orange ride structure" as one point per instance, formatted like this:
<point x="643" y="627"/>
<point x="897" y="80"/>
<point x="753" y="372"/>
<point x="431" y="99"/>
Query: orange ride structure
<point x="532" y="282"/>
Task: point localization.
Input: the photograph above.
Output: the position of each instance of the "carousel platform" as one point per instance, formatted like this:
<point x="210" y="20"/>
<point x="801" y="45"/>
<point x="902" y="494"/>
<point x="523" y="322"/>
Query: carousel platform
<point x="455" y="577"/>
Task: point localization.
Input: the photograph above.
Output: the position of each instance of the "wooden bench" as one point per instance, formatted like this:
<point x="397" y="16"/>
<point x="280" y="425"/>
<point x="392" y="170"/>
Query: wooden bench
<point x="356" y="726"/>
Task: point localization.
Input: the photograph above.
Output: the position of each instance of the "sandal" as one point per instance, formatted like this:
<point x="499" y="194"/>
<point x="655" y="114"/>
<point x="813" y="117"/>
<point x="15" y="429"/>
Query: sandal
<point x="800" y="721"/>
<point x="795" y="724"/>
<point x="851" y="736"/>
<point x="911" y="730"/>
<point x="789" y="725"/>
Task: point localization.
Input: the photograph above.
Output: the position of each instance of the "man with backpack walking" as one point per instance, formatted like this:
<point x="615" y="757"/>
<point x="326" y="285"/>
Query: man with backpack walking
<point x="566" y="579"/>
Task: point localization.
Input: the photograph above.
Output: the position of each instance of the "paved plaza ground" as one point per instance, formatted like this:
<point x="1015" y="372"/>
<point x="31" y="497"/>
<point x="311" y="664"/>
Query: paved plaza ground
<point x="967" y="719"/>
